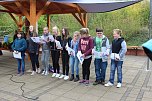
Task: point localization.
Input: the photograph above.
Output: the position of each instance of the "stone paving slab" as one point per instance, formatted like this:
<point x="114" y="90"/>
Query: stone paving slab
<point x="137" y="84"/>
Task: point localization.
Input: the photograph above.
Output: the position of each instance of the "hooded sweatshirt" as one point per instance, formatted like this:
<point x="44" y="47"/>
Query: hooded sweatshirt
<point x="86" y="46"/>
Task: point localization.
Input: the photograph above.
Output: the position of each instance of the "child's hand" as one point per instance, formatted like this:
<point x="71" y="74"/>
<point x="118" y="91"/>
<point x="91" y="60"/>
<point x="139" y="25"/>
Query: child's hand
<point x="83" y="55"/>
<point x="71" y="53"/>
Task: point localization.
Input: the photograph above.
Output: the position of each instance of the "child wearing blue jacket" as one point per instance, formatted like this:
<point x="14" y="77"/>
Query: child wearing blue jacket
<point x="74" y="62"/>
<point x="20" y="45"/>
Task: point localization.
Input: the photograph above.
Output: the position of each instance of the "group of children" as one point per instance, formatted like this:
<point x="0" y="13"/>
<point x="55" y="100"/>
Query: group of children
<point x="81" y="42"/>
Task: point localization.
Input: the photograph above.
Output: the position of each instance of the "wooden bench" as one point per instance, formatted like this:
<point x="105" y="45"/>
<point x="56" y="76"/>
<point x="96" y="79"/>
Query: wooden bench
<point x="138" y="50"/>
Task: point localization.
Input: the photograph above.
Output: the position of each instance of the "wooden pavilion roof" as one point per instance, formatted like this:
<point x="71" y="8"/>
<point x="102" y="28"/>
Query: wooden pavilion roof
<point x="15" y="6"/>
<point x="33" y="9"/>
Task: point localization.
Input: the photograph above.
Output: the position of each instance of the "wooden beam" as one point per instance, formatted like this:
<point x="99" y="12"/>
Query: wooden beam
<point x="19" y="23"/>
<point x="48" y="21"/>
<point x="57" y="7"/>
<point x="85" y="19"/>
<point x="78" y="19"/>
<point x="42" y="10"/>
<point x="12" y="16"/>
<point x="1" y="10"/>
<point x="22" y="9"/>
<point x="81" y="18"/>
<point x="33" y="13"/>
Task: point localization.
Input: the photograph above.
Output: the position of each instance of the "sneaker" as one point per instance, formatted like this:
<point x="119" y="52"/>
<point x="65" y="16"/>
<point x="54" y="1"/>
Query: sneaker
<point x="43" y="72"/>
<point x="97" y="82"/>
<point x="108" y="84"/>
<point x="76" y="79"/>
<point x="46" y="73"/>
<point x="86" y="82"/>
<point x="119" y="85"/>
<point x="57" y="75"/>
<point x="29" y="71"/>
<point x="33" y="73"/>
<point x="21" y="74"/>
<point x="82" y="81"/>
<point x="61" y="76"/>
<point x="72" y="77"/>
<point x="54" y="74"/>
<point x="38" y="70"/>
<point x="66" y="77"/>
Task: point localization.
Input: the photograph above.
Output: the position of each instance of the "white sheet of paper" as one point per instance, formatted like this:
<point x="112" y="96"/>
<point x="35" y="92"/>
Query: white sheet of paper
<point x="17" y="55"/>
<point x="114" y="56"/>
<point x="51" y="38"/>
<point x="58" y="45"/>
<point x="70" y="50"/>
<point x="79" y="55"/>
<point x="97" y="54"/>
<point x="37" y="40"/>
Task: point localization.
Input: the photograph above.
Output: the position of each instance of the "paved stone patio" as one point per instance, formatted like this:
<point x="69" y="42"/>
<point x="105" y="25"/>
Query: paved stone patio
<point x="137" y="84"/>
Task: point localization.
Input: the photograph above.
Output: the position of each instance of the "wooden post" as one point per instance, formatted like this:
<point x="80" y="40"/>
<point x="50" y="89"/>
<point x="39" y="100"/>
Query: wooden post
<point x="48" y="21"/>
<point x="33" y="13"/>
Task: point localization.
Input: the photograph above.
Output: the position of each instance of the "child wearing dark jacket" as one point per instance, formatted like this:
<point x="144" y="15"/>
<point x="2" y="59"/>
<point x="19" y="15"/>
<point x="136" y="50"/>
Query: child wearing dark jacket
<point x="55" y="51"/>
<point x="33" y="50"/>
<point x="66" y="39"/>
<point x="20" y="45"/>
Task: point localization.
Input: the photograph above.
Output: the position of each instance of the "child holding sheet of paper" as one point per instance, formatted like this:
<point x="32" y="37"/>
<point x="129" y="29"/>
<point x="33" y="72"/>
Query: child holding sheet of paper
<point x="33" y="50"/>
<point x="74" y="62"/>
<point x="66" y="39"/>
<point x="85" y="47"/>
<point x="46" y="46"/>
<point x="20" y="45"/>
<point x="101" y="52"/>
<point x="118" y="51"/>
<point x="55" y="51"/>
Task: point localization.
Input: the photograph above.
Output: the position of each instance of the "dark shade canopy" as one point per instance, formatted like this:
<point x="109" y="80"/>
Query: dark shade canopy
<point x="98" y="6"/>
<point x="70" y="6"/>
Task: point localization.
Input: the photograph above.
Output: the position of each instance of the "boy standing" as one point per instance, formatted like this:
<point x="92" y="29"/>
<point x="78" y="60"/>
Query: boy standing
<point x="118" y="50"/>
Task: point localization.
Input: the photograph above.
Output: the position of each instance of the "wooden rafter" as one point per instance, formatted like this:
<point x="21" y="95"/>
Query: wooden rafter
<point x="22" y="9"/>
<point x="81" y="18"/>
<point x="10" y="7"/>
<point x="1" y="10"/>
<point x="12" y="16"/>
<point x="19" y="23"/>
<point x="78" y="19"/>
<point x="42" y="10"/>
<point x="57" y="7"/>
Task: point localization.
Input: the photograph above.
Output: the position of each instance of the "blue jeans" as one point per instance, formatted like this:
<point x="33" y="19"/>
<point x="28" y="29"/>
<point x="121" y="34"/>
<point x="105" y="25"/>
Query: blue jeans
<point x="116" y="65"/>
<point x="21" y="62"/>
<point x="45" y="59"/>
<point x="100" y="69"/>
<point x="74" y="64"/>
